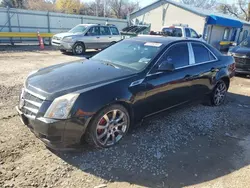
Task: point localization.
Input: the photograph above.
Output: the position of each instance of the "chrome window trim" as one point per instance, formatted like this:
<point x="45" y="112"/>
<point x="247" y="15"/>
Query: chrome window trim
<point x="191" y="54"/>
<point x="190" y="65"/>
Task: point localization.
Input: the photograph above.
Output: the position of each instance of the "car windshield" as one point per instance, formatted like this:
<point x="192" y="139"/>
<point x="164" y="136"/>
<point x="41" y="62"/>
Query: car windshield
<point x="173" y="32"/>
<point x="245" y="43"/>
<point x="131" y="54"/>
<point x="78" y="29"/>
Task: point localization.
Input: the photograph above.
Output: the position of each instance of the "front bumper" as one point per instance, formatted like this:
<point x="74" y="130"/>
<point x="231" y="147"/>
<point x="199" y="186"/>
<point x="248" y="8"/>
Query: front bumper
<point x="62" y="45"/>
<point x="56" y="134"/>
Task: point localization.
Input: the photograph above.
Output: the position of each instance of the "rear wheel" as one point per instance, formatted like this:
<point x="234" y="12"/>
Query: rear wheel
<point x="219" y="93"/>
<point x="78" y="48"/>
<point x="108" y="127"/>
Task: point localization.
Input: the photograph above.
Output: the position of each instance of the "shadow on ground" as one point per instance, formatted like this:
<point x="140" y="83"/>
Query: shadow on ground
<point x="185" y="147"/>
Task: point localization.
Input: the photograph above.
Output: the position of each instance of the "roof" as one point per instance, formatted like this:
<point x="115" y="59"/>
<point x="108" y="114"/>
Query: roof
<point x="160" y="39"/>
<point x="195" y="10"/>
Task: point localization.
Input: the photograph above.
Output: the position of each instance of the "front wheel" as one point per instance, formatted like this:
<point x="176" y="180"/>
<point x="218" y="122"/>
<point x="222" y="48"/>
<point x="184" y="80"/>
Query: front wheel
<point x="78" y="49"/>
<point x="219" y="93"/>
<point x="108" y="127"/>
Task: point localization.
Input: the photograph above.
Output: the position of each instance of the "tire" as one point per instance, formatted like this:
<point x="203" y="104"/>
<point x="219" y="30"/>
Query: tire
<point x="78" y="48"/>
<point x="108" y="127"/>
<point x="112" y="43"/>
<point x="63" y="51"/>
<point x="218" y="95"/>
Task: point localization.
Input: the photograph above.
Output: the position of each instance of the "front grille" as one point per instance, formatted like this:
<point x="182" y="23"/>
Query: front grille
<point x="240" y="60"/>
<point x="30" y="103"/>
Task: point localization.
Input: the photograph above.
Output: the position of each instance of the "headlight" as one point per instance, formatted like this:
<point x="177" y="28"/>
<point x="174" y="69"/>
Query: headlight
<point x="67" y="39"/>
<point x="61" y="106"/>
<point x="229" y="53"/>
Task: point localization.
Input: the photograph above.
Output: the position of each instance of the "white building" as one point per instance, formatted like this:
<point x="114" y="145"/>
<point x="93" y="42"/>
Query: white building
<point x="214" y="27"/>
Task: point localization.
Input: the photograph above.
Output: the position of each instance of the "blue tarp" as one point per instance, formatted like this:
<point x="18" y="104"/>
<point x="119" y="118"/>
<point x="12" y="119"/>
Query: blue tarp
<point x="222" y="21"/>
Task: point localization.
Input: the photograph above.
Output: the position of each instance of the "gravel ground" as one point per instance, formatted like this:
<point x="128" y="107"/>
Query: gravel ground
<point x="196" y="146"/>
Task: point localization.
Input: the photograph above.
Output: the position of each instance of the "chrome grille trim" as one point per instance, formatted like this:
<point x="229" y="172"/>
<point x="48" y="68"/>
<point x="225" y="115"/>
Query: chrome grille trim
<point x="37" y="104"/>
<point x="35" y="94"/>
<point x="33" y="110"/>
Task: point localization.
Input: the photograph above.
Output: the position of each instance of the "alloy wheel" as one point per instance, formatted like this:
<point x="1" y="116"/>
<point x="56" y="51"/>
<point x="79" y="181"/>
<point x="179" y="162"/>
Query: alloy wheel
<point x="220" y="93"/>
<point x="111" y="127"/>
<point x="78" y="49"/>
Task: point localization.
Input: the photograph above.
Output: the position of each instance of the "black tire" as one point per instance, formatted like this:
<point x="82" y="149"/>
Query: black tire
<point x="63" y="51"/>
<point x="91" y="135"/>
<point x="78" y="48"/>
<point x="112" y="43"/>
<point x="220" y="89"/>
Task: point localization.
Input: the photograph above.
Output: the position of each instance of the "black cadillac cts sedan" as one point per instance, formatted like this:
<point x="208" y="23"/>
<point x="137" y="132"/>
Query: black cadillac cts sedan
<point x="98" y="100"/>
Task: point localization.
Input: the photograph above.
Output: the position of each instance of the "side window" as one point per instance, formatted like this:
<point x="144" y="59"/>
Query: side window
<point x="194" y="34"/>
<point x="188" y="34"/>
<point x="173" y="55"/>
<point x="104" y="31"/>
<point x="226" y="34"/>
<point x="114" y="31"/>
<point x="93" y="31"/>
<point x="245" y="33"/>
<point x="201" y="53"/>
<point x="177" y="32"/>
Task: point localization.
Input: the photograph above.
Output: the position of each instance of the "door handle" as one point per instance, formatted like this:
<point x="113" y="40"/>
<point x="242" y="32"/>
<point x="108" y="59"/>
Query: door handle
<point x="97" y="37"/>
<point x="214" y="69"/>
<point x="110" y="37"/>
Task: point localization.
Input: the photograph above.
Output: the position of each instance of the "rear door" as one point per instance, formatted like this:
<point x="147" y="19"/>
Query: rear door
<point x="204" y="67"/>
<point x="105" y="37"/>
<point x="115" y="34"/>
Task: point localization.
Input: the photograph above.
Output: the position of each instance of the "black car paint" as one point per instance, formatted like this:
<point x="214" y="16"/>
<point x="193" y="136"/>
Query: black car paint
<point x="142" y="93"/>
<point x="242" y="59"/>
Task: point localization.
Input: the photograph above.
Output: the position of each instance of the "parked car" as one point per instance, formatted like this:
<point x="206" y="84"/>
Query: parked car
<point x="99" y="99"/>
<point x="241" y="54"/>
<point x="86" y="36"/>
<point x="181" y="30"/>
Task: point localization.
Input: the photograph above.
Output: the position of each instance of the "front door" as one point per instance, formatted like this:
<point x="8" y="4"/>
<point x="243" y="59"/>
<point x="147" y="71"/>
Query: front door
<point x="92" y="38"/>
<point x="172" y="88"/>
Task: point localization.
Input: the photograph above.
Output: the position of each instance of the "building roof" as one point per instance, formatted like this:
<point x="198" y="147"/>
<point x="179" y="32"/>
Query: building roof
<point x="195" y="10"/>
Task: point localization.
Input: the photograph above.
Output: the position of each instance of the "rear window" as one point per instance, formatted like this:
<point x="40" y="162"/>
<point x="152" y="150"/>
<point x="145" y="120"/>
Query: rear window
<point x="114" y="31"/>
<point x="202" y="54"/>
<point x="171" y="31"/>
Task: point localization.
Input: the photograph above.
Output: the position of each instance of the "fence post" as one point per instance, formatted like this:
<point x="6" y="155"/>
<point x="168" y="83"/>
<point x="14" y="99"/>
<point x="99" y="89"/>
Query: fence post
<point x="9" y="24"/>
<point x="48" y="20"/>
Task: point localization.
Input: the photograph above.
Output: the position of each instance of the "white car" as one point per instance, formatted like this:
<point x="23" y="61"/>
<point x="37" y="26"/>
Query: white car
<point x="181" y="30"/>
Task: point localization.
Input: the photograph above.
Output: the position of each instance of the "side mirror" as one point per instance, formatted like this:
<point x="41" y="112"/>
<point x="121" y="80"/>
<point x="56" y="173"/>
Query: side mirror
<point x="166" y="66"/>
<point x="200" y="36"/>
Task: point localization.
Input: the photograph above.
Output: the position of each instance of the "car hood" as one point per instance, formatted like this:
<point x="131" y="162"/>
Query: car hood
<point x="64" y="78"/>
<point x="62" y="35"/>
<point x="241" y="50"/>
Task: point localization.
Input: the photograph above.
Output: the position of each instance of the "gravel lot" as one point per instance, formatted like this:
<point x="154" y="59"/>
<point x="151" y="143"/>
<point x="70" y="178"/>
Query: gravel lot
<point x="196" y="146"/>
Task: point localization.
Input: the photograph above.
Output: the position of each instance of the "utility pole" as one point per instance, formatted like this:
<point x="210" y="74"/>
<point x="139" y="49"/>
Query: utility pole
<point x="104" y="8"/>
<point x="248" y="12"/>
<point x="96" y="8"/>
